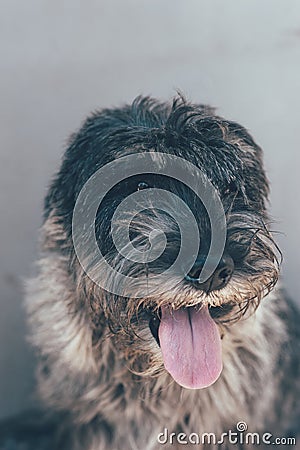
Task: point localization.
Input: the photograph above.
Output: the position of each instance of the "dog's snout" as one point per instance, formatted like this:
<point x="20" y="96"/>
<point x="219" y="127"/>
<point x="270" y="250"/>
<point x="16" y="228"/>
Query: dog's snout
<point x="217" y="280"/>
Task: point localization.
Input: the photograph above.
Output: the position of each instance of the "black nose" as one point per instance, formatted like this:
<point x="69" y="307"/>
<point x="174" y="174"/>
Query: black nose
<point x="217" y="280"/>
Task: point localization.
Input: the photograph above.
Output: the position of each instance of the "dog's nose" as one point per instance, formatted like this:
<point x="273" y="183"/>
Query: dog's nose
<point x="217" y="280"/>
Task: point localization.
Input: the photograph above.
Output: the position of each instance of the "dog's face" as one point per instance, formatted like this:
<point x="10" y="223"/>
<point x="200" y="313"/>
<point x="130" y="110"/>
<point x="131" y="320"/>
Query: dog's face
<point x="178" y="318"/>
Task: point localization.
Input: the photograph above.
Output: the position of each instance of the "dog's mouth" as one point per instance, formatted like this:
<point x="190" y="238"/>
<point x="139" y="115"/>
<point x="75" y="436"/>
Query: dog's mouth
<point x="218" y="313"/>
<point x="154" y="325"/>
<point x="190" y="343"/>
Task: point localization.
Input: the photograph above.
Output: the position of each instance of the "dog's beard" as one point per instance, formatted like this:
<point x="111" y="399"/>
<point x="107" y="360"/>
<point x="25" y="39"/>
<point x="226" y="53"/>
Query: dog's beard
<point x="185" y="322"/>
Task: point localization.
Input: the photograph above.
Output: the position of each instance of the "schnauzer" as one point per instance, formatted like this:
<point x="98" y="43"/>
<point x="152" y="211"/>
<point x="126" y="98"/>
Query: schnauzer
<point x="156" y="313"/>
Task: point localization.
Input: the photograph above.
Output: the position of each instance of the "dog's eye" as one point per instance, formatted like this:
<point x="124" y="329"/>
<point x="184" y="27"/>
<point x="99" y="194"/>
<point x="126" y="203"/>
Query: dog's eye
<point x="239" y="250"/>
<point x="142" y="185"/>
<point x="230" y="188"/>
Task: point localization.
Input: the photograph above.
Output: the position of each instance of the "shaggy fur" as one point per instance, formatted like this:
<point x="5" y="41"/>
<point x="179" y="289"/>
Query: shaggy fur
<point x="101" y="375"/>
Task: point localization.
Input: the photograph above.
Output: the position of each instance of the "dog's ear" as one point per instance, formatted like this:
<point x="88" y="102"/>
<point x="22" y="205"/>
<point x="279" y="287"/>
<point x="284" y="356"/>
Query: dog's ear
<point x="88" y="150"/>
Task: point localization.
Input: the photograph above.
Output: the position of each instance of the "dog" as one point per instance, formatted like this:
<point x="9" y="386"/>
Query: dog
<point x="135" y="349"/>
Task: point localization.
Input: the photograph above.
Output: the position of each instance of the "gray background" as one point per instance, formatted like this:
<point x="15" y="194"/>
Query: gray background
<point x="62" y="59"/>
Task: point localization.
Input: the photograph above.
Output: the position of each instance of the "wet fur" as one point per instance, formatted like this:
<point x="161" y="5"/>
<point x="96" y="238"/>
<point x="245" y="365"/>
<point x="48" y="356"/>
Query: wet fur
<point x="100" y="374"/>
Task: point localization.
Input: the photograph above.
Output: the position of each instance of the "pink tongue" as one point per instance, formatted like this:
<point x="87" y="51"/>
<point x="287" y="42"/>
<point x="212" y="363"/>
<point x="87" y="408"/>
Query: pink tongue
<point x="191" y="346"/>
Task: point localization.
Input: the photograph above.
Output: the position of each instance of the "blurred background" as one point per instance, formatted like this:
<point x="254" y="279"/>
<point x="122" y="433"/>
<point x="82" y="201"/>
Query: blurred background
<point x="62" y="59"/>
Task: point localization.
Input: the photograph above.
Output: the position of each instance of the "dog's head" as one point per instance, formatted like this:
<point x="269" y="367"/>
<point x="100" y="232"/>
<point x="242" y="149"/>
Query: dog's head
<point x="174" y="190"/>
